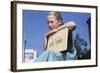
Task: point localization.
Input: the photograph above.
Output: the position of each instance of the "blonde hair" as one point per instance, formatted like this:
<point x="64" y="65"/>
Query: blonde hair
<point x="57" y="15"/>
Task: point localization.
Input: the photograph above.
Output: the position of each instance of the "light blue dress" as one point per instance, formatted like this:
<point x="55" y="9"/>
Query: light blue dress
<point x="51" y="55"/>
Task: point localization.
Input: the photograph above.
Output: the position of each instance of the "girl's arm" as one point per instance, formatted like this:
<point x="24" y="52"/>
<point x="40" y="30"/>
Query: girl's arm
<point x="71" y="25"/>
<point x="46" y="36"/>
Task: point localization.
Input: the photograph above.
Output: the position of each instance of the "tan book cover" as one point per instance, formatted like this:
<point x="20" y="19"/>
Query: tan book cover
<point x="58" y="40"/>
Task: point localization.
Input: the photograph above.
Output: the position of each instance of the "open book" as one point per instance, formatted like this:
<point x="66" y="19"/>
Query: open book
<point x="58" y="41"/>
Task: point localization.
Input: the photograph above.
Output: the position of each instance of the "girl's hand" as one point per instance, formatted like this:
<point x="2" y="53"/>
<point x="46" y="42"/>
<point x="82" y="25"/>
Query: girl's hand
<point x="51" y="32"/>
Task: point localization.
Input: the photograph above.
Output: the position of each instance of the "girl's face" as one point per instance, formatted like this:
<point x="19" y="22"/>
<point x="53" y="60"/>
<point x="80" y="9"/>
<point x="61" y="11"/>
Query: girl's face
<point x="53" y="23"/>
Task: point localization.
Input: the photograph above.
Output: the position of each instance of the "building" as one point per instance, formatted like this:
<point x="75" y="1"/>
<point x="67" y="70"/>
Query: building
<point x="29" y="55"/>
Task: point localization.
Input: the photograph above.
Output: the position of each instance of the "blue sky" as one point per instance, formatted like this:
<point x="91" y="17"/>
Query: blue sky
<point x="35" y="26"/>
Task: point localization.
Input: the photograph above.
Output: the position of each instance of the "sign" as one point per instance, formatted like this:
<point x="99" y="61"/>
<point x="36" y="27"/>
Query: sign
<point x="58" y="40"/>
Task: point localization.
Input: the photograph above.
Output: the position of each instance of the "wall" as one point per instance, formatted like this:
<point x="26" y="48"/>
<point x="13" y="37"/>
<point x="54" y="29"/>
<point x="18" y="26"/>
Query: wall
<point x="5" y="37"/>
